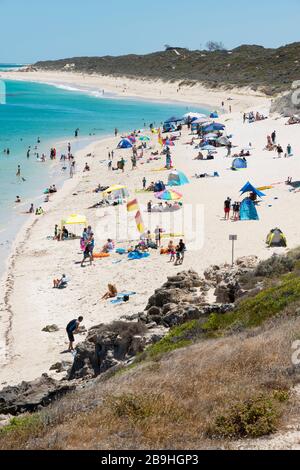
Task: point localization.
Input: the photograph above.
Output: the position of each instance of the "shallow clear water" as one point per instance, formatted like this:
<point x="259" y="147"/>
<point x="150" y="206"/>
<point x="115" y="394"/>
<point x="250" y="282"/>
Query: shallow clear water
<point x="35" y="110"/>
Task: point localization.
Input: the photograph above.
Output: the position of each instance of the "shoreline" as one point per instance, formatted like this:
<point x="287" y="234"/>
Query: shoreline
<point x="148" y="90"/>
<point x="8" y="276"/>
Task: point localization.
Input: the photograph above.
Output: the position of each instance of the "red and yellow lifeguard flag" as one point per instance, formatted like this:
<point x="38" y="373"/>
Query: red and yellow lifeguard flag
<point x="133" y="206"/>
<point x="139" y="222"/>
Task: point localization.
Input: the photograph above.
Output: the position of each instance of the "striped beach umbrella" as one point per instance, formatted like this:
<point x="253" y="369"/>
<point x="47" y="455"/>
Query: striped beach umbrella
<point x="169" y="195"/>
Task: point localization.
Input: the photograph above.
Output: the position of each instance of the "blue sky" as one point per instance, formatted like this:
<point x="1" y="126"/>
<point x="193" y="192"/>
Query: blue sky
<point x="33" y="30"/>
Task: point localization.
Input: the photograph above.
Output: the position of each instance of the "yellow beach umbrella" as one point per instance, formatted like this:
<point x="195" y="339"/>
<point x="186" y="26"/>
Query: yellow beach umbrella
<point x="114" y="188"/>
<point x="75" y="219"/>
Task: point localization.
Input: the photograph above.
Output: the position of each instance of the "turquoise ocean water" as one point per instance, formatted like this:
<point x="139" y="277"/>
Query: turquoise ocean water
<point x="51" y="113"/>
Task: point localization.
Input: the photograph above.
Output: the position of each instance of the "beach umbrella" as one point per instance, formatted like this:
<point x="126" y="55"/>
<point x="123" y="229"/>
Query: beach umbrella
<point x="144" y="138"/>
<point x="202" y="121"/>
<point x="169" y="195"/>
<point x="194" y="116"/>
<point x="74" y="219"/>
<point x="209" y="148"/>
<point x="116" y="191"/>
<point x="173" y="119"/>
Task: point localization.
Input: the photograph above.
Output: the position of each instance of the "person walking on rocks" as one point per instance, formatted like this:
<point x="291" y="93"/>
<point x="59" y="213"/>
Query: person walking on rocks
<point x="72" y="329"/>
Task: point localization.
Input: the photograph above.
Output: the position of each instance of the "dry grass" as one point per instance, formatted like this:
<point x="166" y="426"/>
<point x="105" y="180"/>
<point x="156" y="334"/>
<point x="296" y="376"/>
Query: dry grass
<point x="174" y="402"/>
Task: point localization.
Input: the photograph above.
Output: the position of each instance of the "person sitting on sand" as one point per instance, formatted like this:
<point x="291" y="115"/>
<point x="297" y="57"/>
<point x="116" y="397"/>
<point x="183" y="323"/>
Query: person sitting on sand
<point x="293" y="120"/>
<point x="108" y="247"/>
<point x="111" y="293"/>
<point x="86" y="168"/>
<point x="39" y="211"/>
<point x="60" y="283"/>
<point x="31" y="209"/>
<point x="200" y="156"/>
<point x="65" y="233"/>
<point x="73" y="329"/>
<point x="18" y="199"/>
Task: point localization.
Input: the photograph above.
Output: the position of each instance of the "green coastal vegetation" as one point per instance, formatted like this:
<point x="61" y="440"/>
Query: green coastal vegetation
<point x="268" y="70"/>
<point x="205" y="384"/>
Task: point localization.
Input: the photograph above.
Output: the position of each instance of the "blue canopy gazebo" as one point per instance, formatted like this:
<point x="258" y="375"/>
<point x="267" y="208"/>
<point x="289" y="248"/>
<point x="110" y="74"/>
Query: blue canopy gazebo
<point x="249" y="188"/>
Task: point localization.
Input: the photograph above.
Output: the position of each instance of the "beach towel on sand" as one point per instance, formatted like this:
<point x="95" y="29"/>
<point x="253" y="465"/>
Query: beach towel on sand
<point x="138" y="255"/>
<point x="121" y="297"/>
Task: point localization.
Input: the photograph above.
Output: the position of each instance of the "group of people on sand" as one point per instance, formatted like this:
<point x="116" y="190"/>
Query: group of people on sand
<point x="232" y="209"/>
<point x="293" y="120"/>
<point x="176" y="252"/>
<point x="253" y="117"/>
<point x="273" y="146"/>
<point x="163" y="207"/>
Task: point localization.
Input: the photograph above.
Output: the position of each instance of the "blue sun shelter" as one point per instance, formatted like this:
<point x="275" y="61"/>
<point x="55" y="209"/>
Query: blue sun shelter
<point x="125" y="144"/>
<point x="214" y="115"/>
<point x="239" y="164"/>
<point x="248" y="210"/>
<point x="177" y="178"/>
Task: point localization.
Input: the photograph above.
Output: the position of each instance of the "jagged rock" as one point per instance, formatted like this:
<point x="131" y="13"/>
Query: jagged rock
<point x="164" y="296"/>
<point x="154" y="311"/>
<point x="107" y="346"/>
<point x="249" y="262"/>
<point x="168" y="307"/>
<point x="63" y="366"/>
<point x="50" y="329"/>
<point x="30" y="396"/>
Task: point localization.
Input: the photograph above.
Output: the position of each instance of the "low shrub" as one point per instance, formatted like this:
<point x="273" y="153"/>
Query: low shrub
<point x="254" y="418"/>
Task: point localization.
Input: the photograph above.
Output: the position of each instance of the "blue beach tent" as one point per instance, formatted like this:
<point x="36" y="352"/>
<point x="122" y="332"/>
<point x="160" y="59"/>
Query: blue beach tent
<point x="239" y="164"/>
<point x="248" y="210"/>
<point x="125" y="144"/>
<point x="177" y="178"/>
<point x="214" y="115"/>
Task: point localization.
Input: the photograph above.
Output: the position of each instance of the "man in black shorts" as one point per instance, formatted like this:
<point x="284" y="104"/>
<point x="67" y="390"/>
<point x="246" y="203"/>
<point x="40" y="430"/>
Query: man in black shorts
<point x="73" y="328"/>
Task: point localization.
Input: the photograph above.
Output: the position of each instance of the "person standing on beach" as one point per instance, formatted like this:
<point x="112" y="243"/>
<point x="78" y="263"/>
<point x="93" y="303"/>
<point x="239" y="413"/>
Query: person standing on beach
<point x="116" y="132"/>
<point x="273" y="136"/>
<point x="72" y="329"/>
<point x="279" y="151"/>
<point x="69" y="147"/>
<point x="144" y="183"/>
<point x="18" y="174"/>
<point x="227" y="207"/>
<point x="72" y="169"/>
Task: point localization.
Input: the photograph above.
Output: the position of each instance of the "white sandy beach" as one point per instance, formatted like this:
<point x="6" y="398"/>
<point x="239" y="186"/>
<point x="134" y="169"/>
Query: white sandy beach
<point x="30" y="303"/>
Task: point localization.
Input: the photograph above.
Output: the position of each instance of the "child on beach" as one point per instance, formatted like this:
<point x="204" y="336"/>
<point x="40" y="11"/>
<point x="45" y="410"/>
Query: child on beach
<point x="172" y="251"/>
